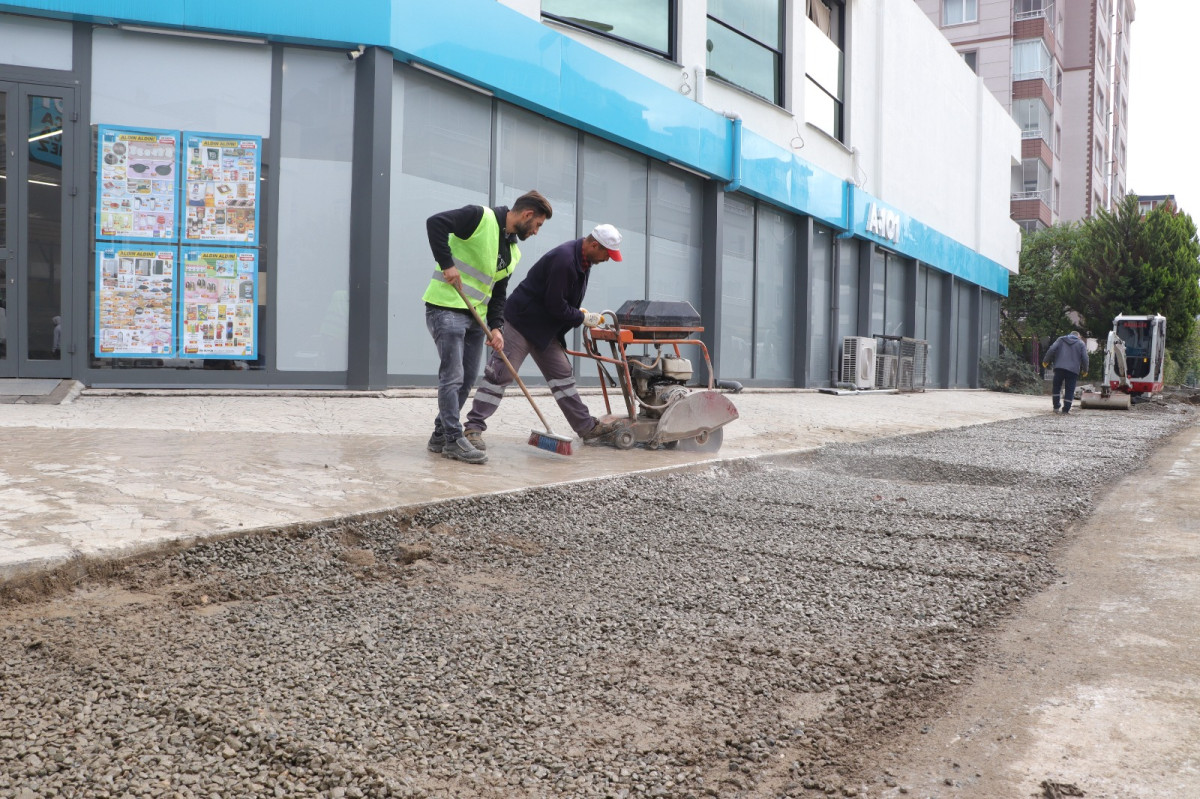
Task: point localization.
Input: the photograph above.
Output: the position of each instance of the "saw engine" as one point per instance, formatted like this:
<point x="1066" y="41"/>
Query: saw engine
<point x="659" y="381"/>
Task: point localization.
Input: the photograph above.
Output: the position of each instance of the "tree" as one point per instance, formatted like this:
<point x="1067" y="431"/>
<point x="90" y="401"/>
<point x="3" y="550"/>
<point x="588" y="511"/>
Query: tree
<point x="1127" y="263"/>
<point x="1173" y="249"/>
<point x="1035" y="307"/>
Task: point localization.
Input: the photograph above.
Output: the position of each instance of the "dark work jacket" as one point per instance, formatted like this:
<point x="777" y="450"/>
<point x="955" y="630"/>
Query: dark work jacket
<point x="545" y="305"/>
<point x="1069" y="353"/>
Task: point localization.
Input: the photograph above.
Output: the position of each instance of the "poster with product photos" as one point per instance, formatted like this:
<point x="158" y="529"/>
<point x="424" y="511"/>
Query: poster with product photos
<point x="220" y="189"/>
<point x="135" y="184"/>
<point x="219" y="311"/>
<point x="135" y="301"/>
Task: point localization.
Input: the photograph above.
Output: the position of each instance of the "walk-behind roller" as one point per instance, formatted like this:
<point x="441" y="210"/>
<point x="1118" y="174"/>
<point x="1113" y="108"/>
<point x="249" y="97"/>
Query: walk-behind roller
<point x="661" y="410"/>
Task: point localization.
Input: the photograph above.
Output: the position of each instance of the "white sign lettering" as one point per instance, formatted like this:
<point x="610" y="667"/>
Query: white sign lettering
<point x="883" y="223"/>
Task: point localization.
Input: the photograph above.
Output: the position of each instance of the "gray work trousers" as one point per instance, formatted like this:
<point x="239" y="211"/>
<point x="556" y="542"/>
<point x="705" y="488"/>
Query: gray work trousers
<point x="555" y="366"/>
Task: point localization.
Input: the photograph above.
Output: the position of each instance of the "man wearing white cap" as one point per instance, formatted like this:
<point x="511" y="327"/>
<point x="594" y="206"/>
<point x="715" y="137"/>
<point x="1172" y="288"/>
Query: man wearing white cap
<point x="537" y="317"/>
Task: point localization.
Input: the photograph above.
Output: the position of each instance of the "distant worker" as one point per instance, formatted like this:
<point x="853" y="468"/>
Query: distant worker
<point x="1070" y="358"/>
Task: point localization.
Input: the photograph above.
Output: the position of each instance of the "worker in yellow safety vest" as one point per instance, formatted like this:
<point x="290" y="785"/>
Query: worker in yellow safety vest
<point x="475" y="250"/>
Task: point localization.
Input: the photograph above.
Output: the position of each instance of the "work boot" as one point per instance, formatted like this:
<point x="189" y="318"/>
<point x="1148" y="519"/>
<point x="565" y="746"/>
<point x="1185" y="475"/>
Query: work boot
<point x="599" y="431"/>
<point x="437" y="442"/>
<point x="476" y="439"/>
<point x="462" y="450"/>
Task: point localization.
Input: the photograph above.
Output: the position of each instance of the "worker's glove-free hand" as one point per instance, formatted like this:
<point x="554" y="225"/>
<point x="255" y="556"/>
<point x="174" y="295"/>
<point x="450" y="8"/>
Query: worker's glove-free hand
<point x="590" y="319"/>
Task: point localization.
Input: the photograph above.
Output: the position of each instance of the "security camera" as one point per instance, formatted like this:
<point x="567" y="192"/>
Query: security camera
<point x="354" y="54"/>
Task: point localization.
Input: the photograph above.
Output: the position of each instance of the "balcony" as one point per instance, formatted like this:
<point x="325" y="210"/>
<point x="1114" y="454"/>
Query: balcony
<point x="1027" y="206"/>
<point x="1033" y="19"/>
<point x="1033" y="84"/>
<point x="1034" y="145"/>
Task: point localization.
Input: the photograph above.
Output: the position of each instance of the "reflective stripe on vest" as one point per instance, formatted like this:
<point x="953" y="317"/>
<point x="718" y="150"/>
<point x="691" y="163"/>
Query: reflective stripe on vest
<point x="476" y="259"/>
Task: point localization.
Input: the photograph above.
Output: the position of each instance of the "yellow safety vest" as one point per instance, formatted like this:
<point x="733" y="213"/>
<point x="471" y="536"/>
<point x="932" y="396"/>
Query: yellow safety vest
<point x="478" y="261"/>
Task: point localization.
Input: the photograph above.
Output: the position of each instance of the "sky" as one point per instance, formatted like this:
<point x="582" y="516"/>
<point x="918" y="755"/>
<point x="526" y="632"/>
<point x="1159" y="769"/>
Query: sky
<point x="1164" y="115"/>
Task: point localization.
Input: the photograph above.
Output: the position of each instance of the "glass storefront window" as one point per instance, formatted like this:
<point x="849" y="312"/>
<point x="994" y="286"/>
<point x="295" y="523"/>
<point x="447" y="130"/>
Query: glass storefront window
<point x="676" y="246"/>
<point x="820" y="282"/>
<point x="316" y="149"/>
<point x="775" y="295"/>
<point x="737" y="291"/>
<point x="442" y="146"/>
<point x="614" y="192"/>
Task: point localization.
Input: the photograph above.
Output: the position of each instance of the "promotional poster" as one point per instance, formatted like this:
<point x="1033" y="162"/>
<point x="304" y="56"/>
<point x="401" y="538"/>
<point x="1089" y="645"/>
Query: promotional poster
<point x="219" y="311"/>
<point x="221" y="188"/>
<point x="135" y="295"/>
<point x="136" y="179"/>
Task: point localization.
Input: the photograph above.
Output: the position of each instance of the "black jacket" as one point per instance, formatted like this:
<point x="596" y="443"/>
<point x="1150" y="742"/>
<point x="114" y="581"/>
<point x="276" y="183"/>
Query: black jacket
<point x="545" y="305"/>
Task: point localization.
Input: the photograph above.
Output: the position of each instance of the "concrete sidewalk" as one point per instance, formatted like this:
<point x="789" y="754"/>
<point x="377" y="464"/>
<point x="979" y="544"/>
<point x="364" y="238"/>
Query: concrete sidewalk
<point x="115" y="473"/>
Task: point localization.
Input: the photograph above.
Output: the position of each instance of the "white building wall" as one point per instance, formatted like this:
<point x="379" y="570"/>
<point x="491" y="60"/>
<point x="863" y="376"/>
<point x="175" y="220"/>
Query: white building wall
<point x="922" y="133"/>
<point x="939" y="145"/>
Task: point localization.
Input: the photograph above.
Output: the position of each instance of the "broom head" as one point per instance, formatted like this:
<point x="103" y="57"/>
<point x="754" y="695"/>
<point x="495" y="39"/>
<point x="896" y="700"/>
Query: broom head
<point x="543" y="439"/>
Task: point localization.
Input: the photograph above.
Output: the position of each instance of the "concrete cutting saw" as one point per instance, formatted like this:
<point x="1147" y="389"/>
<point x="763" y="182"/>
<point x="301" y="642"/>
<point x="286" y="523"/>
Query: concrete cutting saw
<point x="661" y="409"/>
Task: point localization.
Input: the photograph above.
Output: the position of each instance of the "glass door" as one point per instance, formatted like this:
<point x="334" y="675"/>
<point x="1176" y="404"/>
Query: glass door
<point x="34" y="229"/>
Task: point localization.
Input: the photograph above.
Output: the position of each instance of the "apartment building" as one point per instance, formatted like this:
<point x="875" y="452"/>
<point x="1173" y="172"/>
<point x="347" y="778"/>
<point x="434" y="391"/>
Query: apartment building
<point x="1148" y="202"/>
<point x="1061" y="69"/>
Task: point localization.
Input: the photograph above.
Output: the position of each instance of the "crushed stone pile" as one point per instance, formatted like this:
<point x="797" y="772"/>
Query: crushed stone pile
<point x="753" y="629"/>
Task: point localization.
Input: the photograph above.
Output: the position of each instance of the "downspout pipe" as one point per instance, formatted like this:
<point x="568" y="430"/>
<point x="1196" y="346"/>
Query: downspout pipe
<point x="847" y="209"/>
<point x="735" y="155"/>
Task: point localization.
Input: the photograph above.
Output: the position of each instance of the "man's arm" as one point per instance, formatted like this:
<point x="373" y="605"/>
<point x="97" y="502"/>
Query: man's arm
<point x="461" y="222"/>
<point x="495" y="309"/>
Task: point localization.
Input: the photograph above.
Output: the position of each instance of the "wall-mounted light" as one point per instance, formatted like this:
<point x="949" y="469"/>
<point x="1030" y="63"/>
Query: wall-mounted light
<point x="217" y="37"/>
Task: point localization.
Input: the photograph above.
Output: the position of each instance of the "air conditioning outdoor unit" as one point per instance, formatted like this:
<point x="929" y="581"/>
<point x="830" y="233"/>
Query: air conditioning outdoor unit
<point x="858" y="361"/>
<point x="885" y="371"/>
<point x="914" y="355"/>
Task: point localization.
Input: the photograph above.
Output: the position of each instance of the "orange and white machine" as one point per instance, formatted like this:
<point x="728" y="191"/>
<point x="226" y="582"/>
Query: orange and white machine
<point x="1134" y="360"/>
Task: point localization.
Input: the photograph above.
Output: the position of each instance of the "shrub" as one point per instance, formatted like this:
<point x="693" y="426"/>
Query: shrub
<point x="1009" y="372"/>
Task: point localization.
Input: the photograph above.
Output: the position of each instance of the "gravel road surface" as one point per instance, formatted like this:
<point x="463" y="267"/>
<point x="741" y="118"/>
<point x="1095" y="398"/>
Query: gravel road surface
<point x="753" y="629"/>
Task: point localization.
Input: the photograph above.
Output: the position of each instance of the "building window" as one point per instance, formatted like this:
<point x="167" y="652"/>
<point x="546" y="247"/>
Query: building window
<point x="1035" y="181"/>
<point x="824" y="66"/>
<point x="972" y="59"/>
<point x="956" y="12"/>
<point x="647" y="24"/>
<point x="1058" y="84"/>
<point x="758" y="291"/>
<point x="745" y="45"/>
<point x="1057" y="189"/>
<point x="1031" y="60"/>
<point x="1034" y="9"/>
<point x="1057" y="138"/>
<point x="1034" y="118"/>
